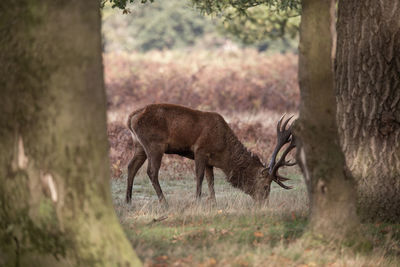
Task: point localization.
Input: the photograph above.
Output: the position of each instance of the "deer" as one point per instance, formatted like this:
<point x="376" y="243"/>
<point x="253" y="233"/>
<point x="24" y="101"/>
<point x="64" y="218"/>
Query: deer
<point x="206" y="138"/>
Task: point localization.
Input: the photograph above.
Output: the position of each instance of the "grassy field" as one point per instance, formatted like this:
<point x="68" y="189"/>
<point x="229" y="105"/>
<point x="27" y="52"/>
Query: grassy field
<point x="235" y="232"/>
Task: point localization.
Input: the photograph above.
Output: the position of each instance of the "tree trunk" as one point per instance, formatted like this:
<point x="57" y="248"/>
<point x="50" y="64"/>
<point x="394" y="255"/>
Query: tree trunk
<point x="55" y="201"/>
<point x="368" y="96"/>
<point x="331" y="188"/>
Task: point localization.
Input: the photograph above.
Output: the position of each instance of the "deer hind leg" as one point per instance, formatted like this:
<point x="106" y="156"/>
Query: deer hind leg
<point x="134" y="165"/>
<point x="210" y="182"/>
<point x="200" y="164"/>
<point x="155" y="156"/>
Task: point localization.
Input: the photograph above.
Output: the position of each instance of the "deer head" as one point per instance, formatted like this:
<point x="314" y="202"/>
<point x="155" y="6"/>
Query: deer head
<point x="268" y="174"/>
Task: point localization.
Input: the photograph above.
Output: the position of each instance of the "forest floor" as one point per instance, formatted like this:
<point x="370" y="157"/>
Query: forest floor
<point x="235" y="232"/>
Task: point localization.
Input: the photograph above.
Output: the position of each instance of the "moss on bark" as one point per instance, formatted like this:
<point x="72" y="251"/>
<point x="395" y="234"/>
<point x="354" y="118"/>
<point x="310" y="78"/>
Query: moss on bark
<point x="55" y="202"/>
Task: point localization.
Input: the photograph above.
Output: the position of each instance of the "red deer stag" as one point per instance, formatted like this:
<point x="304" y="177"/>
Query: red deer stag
<point x="205" y="137"/>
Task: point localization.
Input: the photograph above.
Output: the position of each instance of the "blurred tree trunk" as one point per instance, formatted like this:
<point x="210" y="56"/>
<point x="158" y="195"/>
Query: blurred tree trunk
<point x="330" y="186"/>
<point x="55" y="201"/>
<point x="368" y="96"/>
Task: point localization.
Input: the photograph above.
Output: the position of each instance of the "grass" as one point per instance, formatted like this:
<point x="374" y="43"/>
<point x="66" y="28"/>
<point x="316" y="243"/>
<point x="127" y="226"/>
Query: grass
<point x="235" y="232"/>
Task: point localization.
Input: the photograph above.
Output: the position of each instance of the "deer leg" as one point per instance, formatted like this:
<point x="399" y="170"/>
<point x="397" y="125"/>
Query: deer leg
<point x="152" y="171"/>
<point x="210" y="182"/>
<point x="200" y="167"/>
<point x="134" y="165"/>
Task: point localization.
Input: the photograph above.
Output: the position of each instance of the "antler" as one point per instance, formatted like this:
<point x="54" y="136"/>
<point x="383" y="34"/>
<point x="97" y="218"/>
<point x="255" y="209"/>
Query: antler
<point x="284" y="136"/>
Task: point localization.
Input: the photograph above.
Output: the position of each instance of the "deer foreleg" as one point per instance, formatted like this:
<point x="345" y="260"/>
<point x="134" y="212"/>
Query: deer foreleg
<point x="200" y="168"/>
<point x="210" y="182"/>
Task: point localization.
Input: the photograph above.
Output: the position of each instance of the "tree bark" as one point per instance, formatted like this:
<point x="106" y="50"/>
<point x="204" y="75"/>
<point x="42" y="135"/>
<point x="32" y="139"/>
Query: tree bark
<point x="368" y="97"/>
<point x="330" y="186"/>
<point x="55" y="201"/>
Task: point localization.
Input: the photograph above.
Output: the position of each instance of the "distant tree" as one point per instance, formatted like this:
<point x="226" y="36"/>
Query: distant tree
<point x="55" y="200"/>
<point x="368" y="99"/>
<point x="172" y="24"/>
<point x="262" y="26"/>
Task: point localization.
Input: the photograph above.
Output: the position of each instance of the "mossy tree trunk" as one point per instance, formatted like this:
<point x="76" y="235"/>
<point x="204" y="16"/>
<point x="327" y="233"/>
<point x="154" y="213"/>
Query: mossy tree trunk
<point x="368" y="96"/>
<point x="330" y="186"/>
<point x="55" y="201"/>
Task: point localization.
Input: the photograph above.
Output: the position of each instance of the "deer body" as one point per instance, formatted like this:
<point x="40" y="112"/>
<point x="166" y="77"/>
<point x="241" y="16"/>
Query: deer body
<point x="203" y="136"/>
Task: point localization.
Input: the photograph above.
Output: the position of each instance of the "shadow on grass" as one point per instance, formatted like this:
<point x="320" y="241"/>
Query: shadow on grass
<point x="226" y="233"/>
<point x="235" y="233"/>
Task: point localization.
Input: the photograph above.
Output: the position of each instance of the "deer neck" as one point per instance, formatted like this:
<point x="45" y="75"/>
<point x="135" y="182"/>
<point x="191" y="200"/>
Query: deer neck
<point x="243" y="167"/>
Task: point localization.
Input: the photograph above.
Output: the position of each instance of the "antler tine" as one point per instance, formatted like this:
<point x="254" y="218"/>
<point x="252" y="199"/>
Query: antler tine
<point x="283" y="136"/>
<point x="282" y="162"/>
<point x="286" y="122"/>
<point x="278" y="126"/>
<point x="282" y="184"/>
<point x="281" y="178"/>
<point x="288" y="163"/>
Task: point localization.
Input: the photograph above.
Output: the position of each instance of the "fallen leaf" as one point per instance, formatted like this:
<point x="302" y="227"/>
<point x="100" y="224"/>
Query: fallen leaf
<point x="162" y="258"/>
<point x="258" y="234"/>
<point x="224" y="231"/>
<point x="211" y="262"/>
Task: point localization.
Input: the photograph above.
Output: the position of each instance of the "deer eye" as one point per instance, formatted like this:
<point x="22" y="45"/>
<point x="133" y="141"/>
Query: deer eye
<point x="264" y="172"/>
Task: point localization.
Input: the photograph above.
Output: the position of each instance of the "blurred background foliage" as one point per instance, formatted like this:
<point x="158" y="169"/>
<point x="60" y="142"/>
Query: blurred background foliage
<point x="171" y="24"/>
<point x="175" y="24"/>
<point x="203" y="54"/>
<point x="262" y="26"/>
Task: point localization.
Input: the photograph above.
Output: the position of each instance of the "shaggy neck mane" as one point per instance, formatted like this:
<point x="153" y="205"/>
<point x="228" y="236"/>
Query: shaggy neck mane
<point x="243" y="165"/>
